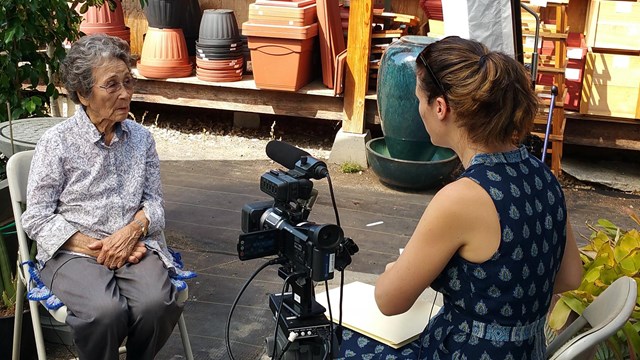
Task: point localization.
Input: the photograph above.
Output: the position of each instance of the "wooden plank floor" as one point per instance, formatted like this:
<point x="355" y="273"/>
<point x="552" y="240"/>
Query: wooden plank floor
<point x="203" y="201"/>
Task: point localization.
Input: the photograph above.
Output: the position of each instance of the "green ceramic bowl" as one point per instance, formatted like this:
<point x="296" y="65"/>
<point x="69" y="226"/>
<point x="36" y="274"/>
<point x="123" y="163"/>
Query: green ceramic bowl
<point x="417" y="175"/>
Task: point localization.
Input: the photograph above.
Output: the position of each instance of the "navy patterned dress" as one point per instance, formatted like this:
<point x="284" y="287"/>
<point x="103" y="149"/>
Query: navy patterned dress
<point x="496" y="309"/>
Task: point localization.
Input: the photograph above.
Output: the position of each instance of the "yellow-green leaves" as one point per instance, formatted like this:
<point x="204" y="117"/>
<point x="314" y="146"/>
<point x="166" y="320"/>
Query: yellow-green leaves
<point x="559" y="315"/>
<point x="611" y="253"/>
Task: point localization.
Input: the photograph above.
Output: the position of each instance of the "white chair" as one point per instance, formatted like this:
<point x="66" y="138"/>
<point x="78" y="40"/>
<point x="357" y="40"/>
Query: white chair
<point x="605" y="315"/>
<point x="17" y="174"/>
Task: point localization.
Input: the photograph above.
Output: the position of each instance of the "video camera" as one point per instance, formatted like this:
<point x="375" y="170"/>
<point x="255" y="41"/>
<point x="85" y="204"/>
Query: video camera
<point x="311" y="251"/>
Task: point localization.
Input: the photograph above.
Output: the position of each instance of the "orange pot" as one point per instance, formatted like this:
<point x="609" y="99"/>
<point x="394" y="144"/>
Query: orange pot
<point x="164" y="48"/>
<point x="102" y="19"/>
<point x="219" y="65"/>
<point x="161" y="72"/>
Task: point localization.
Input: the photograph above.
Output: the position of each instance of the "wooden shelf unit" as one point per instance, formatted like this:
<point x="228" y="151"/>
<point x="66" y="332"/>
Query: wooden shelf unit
<point x="554" y="65"/>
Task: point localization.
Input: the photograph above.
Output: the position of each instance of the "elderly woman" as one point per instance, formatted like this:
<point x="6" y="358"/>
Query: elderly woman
<point x="95" y="210"/>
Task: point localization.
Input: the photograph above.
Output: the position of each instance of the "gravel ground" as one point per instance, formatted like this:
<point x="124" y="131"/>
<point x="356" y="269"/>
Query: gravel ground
<point x="209" y="134"/>
<point x="198" y="134"/>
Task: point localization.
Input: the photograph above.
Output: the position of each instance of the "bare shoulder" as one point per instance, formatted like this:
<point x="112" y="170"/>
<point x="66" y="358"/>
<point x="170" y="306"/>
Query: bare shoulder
<point x="460" y="194"/>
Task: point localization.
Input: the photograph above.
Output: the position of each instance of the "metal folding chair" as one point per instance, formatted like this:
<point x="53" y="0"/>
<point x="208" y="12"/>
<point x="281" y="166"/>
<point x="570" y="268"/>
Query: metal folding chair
<point x="605" y="316"/>
<point x="17" y="174"/>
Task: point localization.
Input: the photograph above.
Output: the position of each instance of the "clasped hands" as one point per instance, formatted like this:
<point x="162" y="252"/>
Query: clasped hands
<point x="114" y="251"/>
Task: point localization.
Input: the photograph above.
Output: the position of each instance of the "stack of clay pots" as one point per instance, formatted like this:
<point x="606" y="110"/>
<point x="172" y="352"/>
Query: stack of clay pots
<point x="164" y="50"/>
<point x="219" y="54"/>
<point x="101" y="20"/>
<point x="281" y="39"/>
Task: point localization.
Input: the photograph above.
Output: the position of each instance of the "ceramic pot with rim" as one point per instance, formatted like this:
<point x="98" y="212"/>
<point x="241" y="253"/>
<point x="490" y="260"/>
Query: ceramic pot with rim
<point x="405" y="135"/>
<point x="101" y="20"/>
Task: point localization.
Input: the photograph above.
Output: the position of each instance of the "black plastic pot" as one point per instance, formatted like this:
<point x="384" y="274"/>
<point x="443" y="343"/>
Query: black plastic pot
<point x="191" y="25"/>
<point x="218" y="24"/>
<point x="28" y="342"/>
<point x="210" y="56"/>
<point x="219" y="51"/>
<point x="165" y="14"/>
<point x="191" y="19"/>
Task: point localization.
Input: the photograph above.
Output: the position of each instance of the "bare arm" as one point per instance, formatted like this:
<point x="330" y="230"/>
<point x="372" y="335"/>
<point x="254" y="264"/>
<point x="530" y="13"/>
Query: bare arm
<point x="81" y="243"/>
<point x="570" y="274"/>
<point x="437" y="237"/>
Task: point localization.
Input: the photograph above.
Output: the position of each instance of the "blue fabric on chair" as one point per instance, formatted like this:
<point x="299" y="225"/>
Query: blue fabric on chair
<point x="38" y="291"/>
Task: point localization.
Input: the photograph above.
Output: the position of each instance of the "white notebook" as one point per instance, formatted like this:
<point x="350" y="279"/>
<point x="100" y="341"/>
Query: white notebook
<point x="362" y="315"/>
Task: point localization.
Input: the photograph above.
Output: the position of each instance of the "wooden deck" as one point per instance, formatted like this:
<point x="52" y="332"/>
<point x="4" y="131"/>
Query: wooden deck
<point x="203" y="202"/>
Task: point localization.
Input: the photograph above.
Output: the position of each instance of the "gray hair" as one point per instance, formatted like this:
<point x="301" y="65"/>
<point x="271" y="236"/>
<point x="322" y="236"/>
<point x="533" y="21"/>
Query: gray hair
<point x="86" y="54"/>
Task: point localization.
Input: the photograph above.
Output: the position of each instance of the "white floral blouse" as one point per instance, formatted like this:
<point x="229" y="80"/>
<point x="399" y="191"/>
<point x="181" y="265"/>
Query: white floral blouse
<point x="77" y="183"/>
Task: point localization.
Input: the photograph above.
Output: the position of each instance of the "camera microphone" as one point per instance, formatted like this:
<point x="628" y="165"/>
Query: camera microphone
<point x="284" y="154"/>
<point x="292" y="157"/>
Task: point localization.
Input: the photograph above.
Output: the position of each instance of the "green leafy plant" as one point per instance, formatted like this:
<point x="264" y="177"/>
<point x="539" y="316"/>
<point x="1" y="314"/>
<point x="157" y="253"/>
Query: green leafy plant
<point x="350" y="168"/>
<point x="31" y="50"/>
<point x="610" y="254"/>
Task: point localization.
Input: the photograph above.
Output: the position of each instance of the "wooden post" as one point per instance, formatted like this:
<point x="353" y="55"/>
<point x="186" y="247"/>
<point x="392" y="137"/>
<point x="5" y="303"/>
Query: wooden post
<point x="357" y="75"/>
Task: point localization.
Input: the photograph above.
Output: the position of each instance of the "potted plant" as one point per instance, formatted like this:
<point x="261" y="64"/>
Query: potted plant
<point x="8" y="283"/>
<point x="31" y="50"/>
<point x="610" y="253"/>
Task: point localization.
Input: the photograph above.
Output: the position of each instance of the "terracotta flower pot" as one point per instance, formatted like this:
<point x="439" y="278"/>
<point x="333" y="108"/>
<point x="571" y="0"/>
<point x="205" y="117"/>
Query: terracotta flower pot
<point x="219" y="65"/>
<point x="221" y="73"/>
<point x="98" y="19"/>
<point x="164" y="54"/>
<point x="217" y="78"/>
<point x="101" y="20"/>
<point x="160" y="72"/>
<point x="164" y="47"/>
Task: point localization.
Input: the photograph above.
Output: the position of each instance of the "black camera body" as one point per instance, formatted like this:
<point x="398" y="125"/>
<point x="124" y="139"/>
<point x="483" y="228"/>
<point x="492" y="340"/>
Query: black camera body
<point x="308" y="247"/>
<point x="281" y="226"/>
<point x="310" y="251"/>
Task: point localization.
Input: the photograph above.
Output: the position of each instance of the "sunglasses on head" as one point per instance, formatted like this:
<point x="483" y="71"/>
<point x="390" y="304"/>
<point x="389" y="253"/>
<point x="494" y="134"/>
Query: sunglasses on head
<point x="433" y="75"/>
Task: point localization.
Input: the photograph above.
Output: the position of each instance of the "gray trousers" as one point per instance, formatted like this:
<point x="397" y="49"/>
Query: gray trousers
<point x="137" y="302"/>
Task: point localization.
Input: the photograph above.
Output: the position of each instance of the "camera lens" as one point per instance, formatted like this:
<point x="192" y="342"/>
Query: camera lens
<point x="326" y="236"/>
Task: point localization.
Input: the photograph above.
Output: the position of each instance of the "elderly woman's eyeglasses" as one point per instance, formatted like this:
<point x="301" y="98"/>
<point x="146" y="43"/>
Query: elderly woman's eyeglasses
<point x="113" y="86"/>
<point x="433" y="75"/>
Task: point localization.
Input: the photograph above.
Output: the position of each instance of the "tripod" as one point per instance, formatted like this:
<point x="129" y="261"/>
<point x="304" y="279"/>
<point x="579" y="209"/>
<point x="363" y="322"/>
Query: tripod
<point x="303" y="332"/>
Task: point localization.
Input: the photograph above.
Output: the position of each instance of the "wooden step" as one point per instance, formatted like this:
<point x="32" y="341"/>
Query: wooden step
<point x="551" y="69"/>
<point x="385" y="34"/>
<point x="552" y="137"/>
<point x="400" y="18"/>
<point x="549" y="3"/>
<point x="547" y="35"/>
